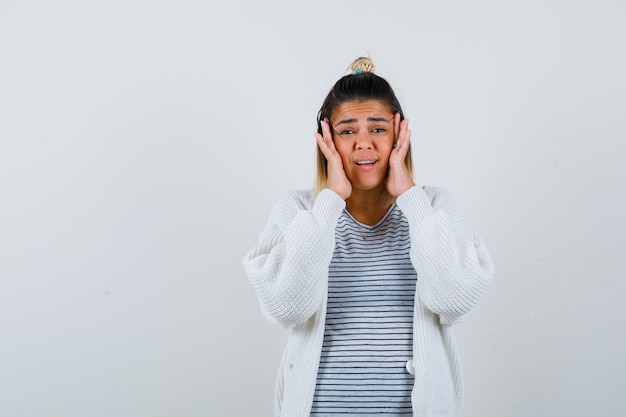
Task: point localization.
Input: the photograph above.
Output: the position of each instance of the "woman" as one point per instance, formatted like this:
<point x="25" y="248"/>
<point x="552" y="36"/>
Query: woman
<point x="368" y="271"/>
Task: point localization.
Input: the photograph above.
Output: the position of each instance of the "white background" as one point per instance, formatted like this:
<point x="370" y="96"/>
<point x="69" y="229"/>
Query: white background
<point x="143" y="144"/>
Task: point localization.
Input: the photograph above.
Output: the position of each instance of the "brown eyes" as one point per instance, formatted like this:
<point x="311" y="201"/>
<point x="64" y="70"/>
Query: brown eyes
<point x="346" y="132"/>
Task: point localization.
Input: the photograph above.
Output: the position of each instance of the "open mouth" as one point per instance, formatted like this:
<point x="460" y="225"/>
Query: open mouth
<point x="366" y="162"/>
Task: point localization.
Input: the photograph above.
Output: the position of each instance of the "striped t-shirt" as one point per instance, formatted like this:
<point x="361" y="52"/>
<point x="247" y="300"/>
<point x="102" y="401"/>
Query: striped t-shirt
<point x="369" y="321"/>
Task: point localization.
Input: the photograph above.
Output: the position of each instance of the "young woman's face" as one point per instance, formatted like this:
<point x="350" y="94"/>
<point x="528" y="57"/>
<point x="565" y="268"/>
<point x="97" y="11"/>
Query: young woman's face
<point x="363" y="133"/>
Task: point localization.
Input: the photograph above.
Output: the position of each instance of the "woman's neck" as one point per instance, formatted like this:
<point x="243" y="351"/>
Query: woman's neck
<point x="369" y="207"/>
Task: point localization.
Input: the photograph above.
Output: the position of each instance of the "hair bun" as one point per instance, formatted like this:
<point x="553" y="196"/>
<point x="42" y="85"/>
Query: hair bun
<point x="361" y="65"/>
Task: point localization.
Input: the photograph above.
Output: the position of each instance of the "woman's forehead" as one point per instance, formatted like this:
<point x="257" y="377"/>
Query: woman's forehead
<point x="362" y="110"/>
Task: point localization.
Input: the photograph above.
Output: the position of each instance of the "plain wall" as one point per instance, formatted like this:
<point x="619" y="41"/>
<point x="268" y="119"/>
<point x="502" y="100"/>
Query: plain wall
<point x="143" y="144"/>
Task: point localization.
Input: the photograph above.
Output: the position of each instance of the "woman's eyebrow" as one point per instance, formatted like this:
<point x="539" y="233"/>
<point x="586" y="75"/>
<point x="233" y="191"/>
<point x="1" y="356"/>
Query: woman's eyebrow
<point x="369" y="119"/>
<point x="345" y="121"/>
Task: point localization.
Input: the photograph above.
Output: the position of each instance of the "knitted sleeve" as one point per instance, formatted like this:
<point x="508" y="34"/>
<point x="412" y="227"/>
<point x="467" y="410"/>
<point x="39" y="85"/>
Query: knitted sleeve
<point x="288" y="267"/>
<point x="453" y="266"/>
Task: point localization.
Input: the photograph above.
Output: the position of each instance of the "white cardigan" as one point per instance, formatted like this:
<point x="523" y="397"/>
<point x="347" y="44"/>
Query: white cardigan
<point x="289" y="271"/>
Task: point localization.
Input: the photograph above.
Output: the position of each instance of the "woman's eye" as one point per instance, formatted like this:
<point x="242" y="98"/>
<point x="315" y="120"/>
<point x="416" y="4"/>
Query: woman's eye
<point x="346" y="132"/>
<point x="378" y="130"/>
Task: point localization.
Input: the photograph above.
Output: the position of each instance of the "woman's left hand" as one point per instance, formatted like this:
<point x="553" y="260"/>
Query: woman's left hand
<point x="398" y="179"/>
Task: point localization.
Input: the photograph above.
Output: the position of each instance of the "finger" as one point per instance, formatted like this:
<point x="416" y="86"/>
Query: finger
<point x="325" y="141"/>
<point x="402" y="147"/>
<point x="406" y="140"/>
<point x="328" y="136"/>
<point x="396" y="126"/>
<point x="326" y="129"/>
<point x="323" y="145"/>
<point x="404" y="125"/>
<point x="320" y="142"/>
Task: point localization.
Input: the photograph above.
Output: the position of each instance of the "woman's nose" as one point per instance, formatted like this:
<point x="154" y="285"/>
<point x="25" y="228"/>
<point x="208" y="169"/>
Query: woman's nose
<point x="363" y="140"/>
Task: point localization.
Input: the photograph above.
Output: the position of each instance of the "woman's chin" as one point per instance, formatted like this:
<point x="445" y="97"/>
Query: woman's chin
<point x="369" y="186"/>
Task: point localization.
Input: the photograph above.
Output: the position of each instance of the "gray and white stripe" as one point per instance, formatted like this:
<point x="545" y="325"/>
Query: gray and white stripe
<point x="369" y="321"/>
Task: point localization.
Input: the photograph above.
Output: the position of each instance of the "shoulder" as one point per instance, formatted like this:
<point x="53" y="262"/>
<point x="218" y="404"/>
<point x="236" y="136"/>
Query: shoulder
<point x="290" y="204"/>
<point x="297" y="199"/>
<point x="438" y="195"/>
<point x="444" y="200"/>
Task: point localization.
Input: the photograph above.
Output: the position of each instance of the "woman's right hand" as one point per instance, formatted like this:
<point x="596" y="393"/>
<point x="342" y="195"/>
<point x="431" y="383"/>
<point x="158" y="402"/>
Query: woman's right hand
<point x="337" y="180"/>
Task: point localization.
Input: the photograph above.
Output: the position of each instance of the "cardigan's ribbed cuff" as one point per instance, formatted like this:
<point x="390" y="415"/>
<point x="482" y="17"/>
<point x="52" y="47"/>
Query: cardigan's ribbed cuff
<point x="328" y="207"/>
<point x="415" y="204"/>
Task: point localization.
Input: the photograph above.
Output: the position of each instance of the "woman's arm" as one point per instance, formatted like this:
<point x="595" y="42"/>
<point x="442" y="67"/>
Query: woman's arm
<point x="453" y="266"/>
<point x="289" y="266"/>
